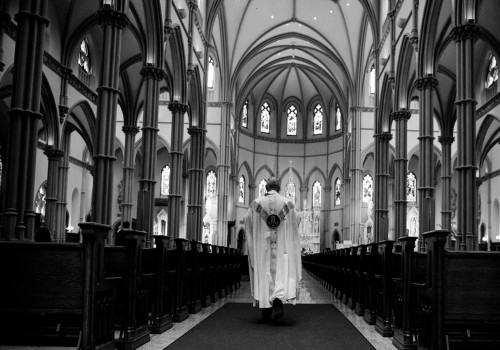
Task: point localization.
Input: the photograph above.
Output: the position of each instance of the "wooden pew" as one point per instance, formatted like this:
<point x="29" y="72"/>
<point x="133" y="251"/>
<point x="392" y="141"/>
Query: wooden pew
<point x="361" y="270"/>
<point x="206" y="275"/>
<point x="352" y="262"/>
<point x="194" y="286"/>
<point x="373" y="262"/>
<point x="155" y="263"/>
<point x="132" y="308"/>
<point x="182" y="276"/>
<point x="384" y="291"/>
<point x="458" y="305"/>
<point x="55" y="294"/>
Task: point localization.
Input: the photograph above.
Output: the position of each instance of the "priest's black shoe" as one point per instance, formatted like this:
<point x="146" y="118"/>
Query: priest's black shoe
<point x="277" y="309"/>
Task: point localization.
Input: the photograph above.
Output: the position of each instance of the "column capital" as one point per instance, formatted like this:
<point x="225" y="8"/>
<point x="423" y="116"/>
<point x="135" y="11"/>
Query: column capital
<point x="446" y="140"/>
<point x="428" y="82"/>
<point x="177" y="107"/>
<point x="35" y="16"/>
<point x="251" y="187"/>
<point x="402" y="114"/>
<point x="196" y="131"/>
<point x="469" y="30"/>
<point x="327" y="188"/>
<point x="129" y="129"/>
<point x="151" y="72"/>
<point x="109" y="16"/>
<point x="384" y="136"/>
<point x="53" y="153"/>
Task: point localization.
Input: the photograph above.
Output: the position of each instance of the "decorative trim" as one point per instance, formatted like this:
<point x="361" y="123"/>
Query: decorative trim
<point x="446" y="140"/>
<point x="127" y="129"/>
<point x="177" y="107"/>
<point x="362" y="109"/>
<point x="218" y="104"/>
<point x="469" y="30"/>
<point x="428" y="82"/>
<point x="150" y="72"/>
<point x="488" y="106"/>
<point x="53" y="153"/>
<point x="82" y="88"/>
<point x="384" y="136"/>
<point x="195" y="131"/>
<point x="108" y="16"/>
<point x="281" y="140"/>
<point x="401" y="115"/>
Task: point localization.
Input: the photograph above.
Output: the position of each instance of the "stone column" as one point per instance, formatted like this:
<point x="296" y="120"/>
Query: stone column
<point x="59" y="233"/>
<point x="347" y="209"/>
<point x="426" y="86"/>
<point x="356" y="176"/>
<point x="465" y="35"/>
<point x="446" y="212"/>
<point x="54" y="157"/>
<point x="381" y="219"/>
<point x="4" y="22"/>
<point x="303" y="196"/>
<point x="146" y="197"/>
<point x="63" y="97"/>
<point x="175" y="196"/>
<point x="196" y="182"/>
<point x="223" y="175"/>
<point x="128" y="171"/>
<point x="400" y="164"/>
<point x="251" y="193"/>
<point x="24" y="116"/>
<point x="112" y="22"/>
<point x="326" y="218"/>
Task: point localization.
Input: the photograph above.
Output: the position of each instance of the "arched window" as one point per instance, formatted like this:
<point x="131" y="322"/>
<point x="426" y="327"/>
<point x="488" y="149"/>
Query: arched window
<point x="338" y="118"/>
<point x="316" y="194"/>
<point x="241" y="196"/>
<point x="318" y="120"/>
<point x="337" y="191"/>
<point x="84" y="58"/>
<point x="411" y="187"/>
<point x="211" y="184"/>
<point x="244" y="115"/>
<point x="290" y="191"/>
<point x="211" y="73"/>
<point x="367" y="188"/>
<point x="165" y="180"/>
<point x="372" y="79"/>
<point x="492" y="74"/>
<point x="262" y="187"/>
<point x="265" y="115"/>
<point x="40" y="200"/>
<point x="291" y="128"/>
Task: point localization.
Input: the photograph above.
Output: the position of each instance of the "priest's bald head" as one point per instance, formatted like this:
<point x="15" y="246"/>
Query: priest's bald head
<point x="273" y="184"/>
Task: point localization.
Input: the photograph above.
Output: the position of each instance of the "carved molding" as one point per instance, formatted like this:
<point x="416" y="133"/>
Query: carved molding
<point x="362" y="109"/>
<point x="53" y="153"/>
<point x="177" y="107"/>
<point x="281" y="140"/>
<point x="446" y="140"/>
<point x="400" y="115"/>
<point x="150" y="72"/>
<point x="465" y="31"/>
<point x="128" y="129"/>
<point x="488" y="106"/>
<point x="82" y="88"/>
<point x="108" y="16"/>
<point x="429" y="82"/>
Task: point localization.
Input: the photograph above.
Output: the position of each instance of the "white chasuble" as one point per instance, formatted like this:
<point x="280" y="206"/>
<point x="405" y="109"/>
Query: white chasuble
<point x="274" y="257"/>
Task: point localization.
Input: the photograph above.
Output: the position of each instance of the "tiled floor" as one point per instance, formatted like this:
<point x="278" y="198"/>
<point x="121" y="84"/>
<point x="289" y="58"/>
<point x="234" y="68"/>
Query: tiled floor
<point x="311" y="292"/>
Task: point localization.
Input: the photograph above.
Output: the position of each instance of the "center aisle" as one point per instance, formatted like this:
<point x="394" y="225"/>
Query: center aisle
<point x="311" y="292"/>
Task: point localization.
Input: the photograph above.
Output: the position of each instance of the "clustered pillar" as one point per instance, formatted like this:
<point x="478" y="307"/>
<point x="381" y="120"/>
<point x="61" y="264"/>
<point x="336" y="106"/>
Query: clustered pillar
<point x="465" y="36"/>
<point x="400" y="164"/>
<point x="426" y="86"/>
<point x="381" y="186"/>
<point x="175" y="196"/>
<point x="356" y="175"/>
<point x="24" y="118"/>
<point x="128" y="171"/>
<point x="195" y="204"/>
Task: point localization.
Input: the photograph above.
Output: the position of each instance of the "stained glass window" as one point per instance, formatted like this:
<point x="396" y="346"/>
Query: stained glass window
<point x="40" y="200"/>
<point x="211" y="73"/>
<point x="316" y="194"/>
<point x="165" y="180"/>
<point x="411" y="187"/>
<point x="291" y="128"/>
<point x="367" y="188"/>
<point x="492" y="75"/>
<point x="244" y="115"/>
<point x="290" y="191"/>
<point x="262" y="187"/>
<point x="318" y="120"/>
<point x="265" y="114"/>
<point x="211" y="184"/>
<point x="337" y="191"/>
<point x="338" y="118"/>
<point x="241" y="195"/>
<point x="84" y="57"/>
<point x="372" y="80"/>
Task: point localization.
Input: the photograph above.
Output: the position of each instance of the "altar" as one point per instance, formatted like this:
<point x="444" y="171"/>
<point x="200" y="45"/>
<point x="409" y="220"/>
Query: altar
<point x="309" y="231"/>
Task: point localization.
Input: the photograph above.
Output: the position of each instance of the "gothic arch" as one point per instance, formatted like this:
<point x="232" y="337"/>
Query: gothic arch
<point x="315" y="170"/>
<point x="262" y="169"/>
<point x="284" y="176"/>
<point x="245" y="165"/>
<point x="195" y="100"/>
<point x="175" y="64"/>
<point x="403" y="69"/>
<point x="50" y="117"/>
<point x="332" y="173"/>
<point x="81" y="118"/>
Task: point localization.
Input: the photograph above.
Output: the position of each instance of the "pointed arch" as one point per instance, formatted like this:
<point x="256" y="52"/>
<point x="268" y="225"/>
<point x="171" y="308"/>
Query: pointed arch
<point x="175" y="62"/>
<point x="82" y="119"/>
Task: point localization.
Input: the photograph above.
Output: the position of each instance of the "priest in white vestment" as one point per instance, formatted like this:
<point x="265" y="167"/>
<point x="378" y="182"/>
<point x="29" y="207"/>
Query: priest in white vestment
<point x="274" y="257"/>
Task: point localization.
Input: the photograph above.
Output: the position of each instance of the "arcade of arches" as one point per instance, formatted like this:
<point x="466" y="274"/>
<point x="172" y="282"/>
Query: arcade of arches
<point x="381" y="118"/>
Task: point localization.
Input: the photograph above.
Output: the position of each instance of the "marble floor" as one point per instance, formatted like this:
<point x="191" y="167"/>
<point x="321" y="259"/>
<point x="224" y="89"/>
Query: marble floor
<point x="311" y="292"/>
